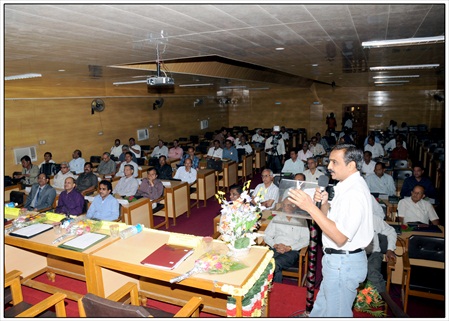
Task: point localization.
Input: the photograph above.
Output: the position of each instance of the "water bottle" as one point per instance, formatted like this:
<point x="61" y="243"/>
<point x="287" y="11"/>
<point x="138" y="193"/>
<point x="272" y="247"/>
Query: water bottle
<point x="11" y="204"/>
<point x="130" y="231"/>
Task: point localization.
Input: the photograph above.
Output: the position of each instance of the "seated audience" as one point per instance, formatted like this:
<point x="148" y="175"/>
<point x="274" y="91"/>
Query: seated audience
<point x="346" y="135"/>
<point x="41" y="196"/>
<point x="331" y="139"/>
<point x="134" y="148"/>
<point x="128" y="161"/>
<point x="125" y="149"/>
<point x="87" y="182"/>
<point x="116" y="150"/>
<point x="312" y="173"/>
<point x="160" y="150"/>
<point x="175" y="152"/>
<point x="243" y="144"/>
<point x="70" y="202"/>
<point x="234" y="192"/>
<point x="418" y="178"/>
<point x="64" y="172"/>
<point x="286" y="235"/>
<point x="376" y="257"/>
<point x="300" y="177"/>
<point x="267" y="191"/>
<point x="186" y="173"/>
<point x="316" y="148"/>
<point x="127" y="185"/>
<point x="375" y="148"/>
<point x="29" y="173"/>
<point x="107" y="166"/>
<point x="230" y="137"/>
<point x="380" y="182"/>
<point x="190" y="154"/>
<point x="215" y="152"/>
<point x="221" y="136"/>
<point x="416" y="209"/>
<point x="293" y="164"/>
<point x="376" y="138"/>
<point x="322" y="141"/>
<point x="151" y="187"/>
<point x="285" y="135"/>
<point x="368" y="164"/>
<point x="305" y="153"/>
<point x="48" y="166"/>
<point x="399" y="152"/>
<point x="104" y="207"/>
<point x="238" y="138"/>
<point x="77" y="163"/>
<point x="165" y="171"/>
<point x="258" y="139"/>
<point x="392" y="143"/>
<point x="229" y="151"/>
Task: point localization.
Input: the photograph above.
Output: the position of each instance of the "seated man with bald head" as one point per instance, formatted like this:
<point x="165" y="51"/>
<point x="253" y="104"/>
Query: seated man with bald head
<point x="71" y="201"/>
<point x="416" y="209"/>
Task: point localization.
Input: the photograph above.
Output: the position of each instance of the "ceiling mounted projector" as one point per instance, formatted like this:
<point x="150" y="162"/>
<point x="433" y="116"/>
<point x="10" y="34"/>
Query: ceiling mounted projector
<point x="160" y="81"/>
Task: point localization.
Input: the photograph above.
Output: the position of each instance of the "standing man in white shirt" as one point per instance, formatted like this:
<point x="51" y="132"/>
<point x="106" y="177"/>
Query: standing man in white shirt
<point x="77" y="163"/>
<point x="134" y="148"/>
<point x="347" y="229"/>
<point x="293" y="164"/>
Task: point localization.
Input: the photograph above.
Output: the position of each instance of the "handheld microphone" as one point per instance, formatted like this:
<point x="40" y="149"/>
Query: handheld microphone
<point x="323" y="181"/>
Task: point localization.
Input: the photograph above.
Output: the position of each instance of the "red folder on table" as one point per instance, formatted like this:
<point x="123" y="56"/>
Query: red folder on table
<point x="168" y="256"/>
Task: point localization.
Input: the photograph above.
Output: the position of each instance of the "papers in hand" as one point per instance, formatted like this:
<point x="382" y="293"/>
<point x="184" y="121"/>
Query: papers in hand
<point x="31" y="230"/>
<point x="168" y="257"/>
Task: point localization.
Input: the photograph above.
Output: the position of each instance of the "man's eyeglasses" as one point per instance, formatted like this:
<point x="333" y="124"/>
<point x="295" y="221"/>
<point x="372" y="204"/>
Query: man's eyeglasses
<point x="265" y="175"/>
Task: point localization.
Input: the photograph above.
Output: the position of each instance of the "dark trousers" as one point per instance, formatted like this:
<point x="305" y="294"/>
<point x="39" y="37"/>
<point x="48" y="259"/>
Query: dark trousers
<point x="284" y="261"/>
<point x="374" y="271"/>
<point x="275" y="163"/>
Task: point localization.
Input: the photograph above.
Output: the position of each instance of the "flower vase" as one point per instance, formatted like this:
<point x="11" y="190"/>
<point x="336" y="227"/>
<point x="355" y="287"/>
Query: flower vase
<point x="239" y="252"/>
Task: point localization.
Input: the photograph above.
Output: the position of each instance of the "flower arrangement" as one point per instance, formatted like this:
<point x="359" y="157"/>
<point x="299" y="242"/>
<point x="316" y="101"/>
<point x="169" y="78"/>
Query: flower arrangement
<point x="212" y="262"/>
<point x="368" y="300"/>
<point x="26" y="219"/>
<point x="239" y="219"/>
<point x="78" y="226"/>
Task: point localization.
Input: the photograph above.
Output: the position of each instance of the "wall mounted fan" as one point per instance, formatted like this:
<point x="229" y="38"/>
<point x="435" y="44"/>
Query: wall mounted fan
<point x="158" y="103"/>
<point x="97" y="105"/>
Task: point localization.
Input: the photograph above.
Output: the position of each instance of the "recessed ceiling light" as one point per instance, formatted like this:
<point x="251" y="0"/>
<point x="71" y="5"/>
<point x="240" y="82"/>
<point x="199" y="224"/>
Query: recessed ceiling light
<point x="405" y="67"/>
<point x="61" y="70"/>
<point x="393" y="77"/>
<point x="196" y="85"/>
<point x="402" y="42"/>
<point x="314" y="65"/>
<point x="280" y="49"/>
<point x="382" y="85"/>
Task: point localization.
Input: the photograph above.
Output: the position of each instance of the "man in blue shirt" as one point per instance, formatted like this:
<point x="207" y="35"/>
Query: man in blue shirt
<point x="229" y="152"/>
<point x="105" y="207"/>
<point x="418" y="178"/>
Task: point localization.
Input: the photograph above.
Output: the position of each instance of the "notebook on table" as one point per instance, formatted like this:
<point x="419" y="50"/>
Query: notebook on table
<point x="168" y="256"/>
<point x="31" y="230"/>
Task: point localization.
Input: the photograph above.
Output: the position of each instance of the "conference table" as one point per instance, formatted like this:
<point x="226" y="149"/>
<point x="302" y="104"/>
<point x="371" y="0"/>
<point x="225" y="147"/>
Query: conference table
<point x="37" y="255"/>
<point x="119" y="263"/>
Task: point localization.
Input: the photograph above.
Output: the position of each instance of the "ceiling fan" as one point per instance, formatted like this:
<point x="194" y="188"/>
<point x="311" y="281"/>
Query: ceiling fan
<point x="97" y="105"/>
<point x="158" y="103"/>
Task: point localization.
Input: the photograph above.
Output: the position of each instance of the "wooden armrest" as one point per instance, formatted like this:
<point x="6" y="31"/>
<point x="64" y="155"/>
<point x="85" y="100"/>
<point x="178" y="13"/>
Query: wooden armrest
<point x="129" y="288"/>
<point x="191" y="308"/>
<point x="12" y="280"/>
<point x="303" y="251"/>
<point x="56" y="300"/>
<point x="157" y="200"/>
<point x="405" y="261"/>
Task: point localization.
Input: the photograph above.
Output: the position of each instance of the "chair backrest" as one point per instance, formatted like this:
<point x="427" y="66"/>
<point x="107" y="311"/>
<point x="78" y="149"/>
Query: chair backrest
<point x="95" y="159"/>
<point x="402" y="174"/>
<point x="96" y="306"/>
<point x="401" y="163"/>
<point x="426" y="248"/>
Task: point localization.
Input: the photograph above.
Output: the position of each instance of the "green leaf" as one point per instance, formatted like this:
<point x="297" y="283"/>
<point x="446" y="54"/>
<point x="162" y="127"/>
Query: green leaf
<point x="241" y="243"/>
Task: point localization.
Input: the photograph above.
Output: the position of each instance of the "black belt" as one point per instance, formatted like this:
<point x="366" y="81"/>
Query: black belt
<point x="334" y="251"/>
